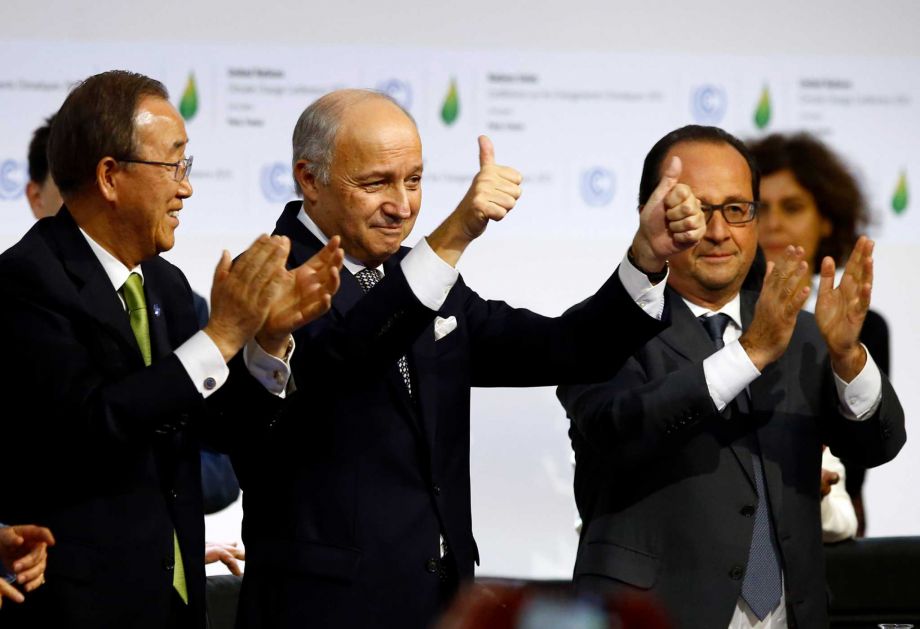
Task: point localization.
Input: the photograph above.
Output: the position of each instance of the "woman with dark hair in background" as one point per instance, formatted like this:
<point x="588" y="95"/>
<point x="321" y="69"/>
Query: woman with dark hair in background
<point x="811" y="199"/>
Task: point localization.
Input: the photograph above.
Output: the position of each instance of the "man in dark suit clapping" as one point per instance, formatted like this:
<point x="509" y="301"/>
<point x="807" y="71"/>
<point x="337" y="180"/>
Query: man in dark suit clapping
<point x="104" y="350"/>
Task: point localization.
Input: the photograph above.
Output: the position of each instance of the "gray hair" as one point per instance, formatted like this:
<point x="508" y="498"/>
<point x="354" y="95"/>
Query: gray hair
<point x="315" y="132"/>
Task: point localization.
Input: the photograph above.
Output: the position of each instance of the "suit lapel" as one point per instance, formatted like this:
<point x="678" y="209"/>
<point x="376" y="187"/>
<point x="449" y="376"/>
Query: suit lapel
<point x="161" y="344"/>
<point x="427" y="384"/>
<point x="760" y="407"/>
<point x="97" y="294"/>
<point x="688" y="337"/>
<point x="423" y="409"/>
<point x="395" y="379"/>
<point x="685" y="335"/>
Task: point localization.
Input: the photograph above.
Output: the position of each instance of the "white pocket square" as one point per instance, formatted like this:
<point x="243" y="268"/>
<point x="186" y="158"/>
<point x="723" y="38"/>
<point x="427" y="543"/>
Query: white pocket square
<point x="443" y="327"/>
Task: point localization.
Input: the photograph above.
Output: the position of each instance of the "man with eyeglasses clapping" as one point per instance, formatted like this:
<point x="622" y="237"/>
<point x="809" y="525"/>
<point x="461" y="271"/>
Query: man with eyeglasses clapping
<point x="104" y="350"/>
<point x="698" y="464"/>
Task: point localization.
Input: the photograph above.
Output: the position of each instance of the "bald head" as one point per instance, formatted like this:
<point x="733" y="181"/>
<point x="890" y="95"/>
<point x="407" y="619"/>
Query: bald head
<point x="316" y="133"/>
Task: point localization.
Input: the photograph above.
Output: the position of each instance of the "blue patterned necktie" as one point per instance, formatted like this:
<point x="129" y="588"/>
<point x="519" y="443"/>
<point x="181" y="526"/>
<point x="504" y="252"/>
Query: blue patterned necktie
<point x="762" y="587"/>
<point x="367" y="279"/>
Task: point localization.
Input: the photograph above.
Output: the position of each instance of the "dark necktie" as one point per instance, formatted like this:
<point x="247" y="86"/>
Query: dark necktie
<point x="762" y="587"/>
<point x="367" y="279"/>
<point x="715" y="326"/>
<point x="133" y="292"/>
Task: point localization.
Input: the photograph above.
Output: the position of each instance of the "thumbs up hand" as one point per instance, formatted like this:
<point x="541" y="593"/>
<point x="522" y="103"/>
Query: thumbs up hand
<point x="493" y="193"/>
<point x="669" y="222"/>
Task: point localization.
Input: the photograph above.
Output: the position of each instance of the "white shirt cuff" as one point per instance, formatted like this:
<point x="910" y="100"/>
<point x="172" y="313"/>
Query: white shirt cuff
<point x="272" y="372"/>
<point x="860" y="398"/>
<point x="728" y="372"/>
<point x="429" y="277"/>
<point x="647" y="296"/>
<point x="203" y="363"/>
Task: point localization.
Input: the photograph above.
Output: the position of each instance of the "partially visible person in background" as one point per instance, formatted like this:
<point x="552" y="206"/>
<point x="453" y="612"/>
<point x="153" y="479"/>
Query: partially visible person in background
<point x="812" y="200"/>
<point x="838" y="518"/>
<point x="41" y="191"/>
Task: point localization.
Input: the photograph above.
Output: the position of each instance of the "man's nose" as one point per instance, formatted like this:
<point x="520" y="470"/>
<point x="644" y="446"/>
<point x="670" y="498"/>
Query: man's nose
<point x="717" y="228"/>
<point x="398" y="202"/>
<point x="185" y="189"/>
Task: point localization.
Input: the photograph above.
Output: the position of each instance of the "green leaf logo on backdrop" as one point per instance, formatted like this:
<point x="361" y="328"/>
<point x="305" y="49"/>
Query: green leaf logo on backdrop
<point x="188" y="106"/>
<point x="764" y="111"/>
<point x="450" y="111"/>
<point x="900" y="199"/>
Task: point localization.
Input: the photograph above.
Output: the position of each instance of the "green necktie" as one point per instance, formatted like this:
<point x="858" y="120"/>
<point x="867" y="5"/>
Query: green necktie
<point x="133" y="291"/>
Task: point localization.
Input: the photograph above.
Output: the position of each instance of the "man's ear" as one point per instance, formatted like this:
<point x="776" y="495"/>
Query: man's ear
<point x="34" y="195"/>
<point x="306" y="180"/>
<point x="107" y="171"/>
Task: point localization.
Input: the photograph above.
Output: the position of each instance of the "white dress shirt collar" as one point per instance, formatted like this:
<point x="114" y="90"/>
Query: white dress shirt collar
<point x="116" y="271"/>
<point x="350" y="263"/>
<point x="732" y="309"/>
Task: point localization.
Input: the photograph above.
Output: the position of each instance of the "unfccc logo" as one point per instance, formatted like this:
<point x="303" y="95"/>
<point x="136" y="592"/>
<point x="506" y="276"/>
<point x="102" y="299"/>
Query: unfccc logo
<point x="598" y="186"/>
<point x="398" y="90"/>
<point x="12" y="179"/>
<point x="708" y="104"/>
<point x="277" y="185"/>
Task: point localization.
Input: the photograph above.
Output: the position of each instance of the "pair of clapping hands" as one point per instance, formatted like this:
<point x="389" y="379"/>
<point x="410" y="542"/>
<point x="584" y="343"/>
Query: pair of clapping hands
<point x="23" y="555"/>
<point x="839" y="312"/>
<point x="256" y="296"/>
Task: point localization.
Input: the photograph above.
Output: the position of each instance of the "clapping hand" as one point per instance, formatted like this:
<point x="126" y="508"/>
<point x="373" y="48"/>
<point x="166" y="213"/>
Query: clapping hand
<point x="305" y="293"/>
<point x="840" y="312"/>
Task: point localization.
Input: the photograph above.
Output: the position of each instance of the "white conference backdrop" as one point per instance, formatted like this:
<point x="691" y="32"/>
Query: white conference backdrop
<point x="578" y="125"/>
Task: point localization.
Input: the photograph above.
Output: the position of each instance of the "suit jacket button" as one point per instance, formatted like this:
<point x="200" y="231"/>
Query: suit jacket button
<point x="748" y="510"/>
<point x="432" y="566"/>
<point x="168" y="565"/>
<point x="436" y="489"/>
<point x="736" y="573"/>
<point x="173" y="494"/>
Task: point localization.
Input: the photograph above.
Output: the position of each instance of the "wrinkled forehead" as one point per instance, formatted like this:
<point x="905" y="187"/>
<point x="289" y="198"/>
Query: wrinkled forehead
<point x="376" y="124"/>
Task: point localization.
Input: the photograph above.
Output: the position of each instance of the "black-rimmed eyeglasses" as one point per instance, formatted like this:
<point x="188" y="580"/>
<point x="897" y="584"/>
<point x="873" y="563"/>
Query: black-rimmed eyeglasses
<point x="183" y="168"/>
<point x="734" y="213"/>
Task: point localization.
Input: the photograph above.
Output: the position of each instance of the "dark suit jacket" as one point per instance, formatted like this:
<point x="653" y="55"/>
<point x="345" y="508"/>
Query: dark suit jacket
<point x="104" y="451"/>
<point x="664" y="483"/>
<point x="344" y="502"/>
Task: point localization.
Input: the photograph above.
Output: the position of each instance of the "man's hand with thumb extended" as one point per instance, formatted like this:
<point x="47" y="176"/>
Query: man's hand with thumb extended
<point x="669" y="222"/>
<point x="493" y="193"/>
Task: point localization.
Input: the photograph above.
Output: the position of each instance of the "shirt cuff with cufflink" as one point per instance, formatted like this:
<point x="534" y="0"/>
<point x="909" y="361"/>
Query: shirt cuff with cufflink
<point x="272" y="372"/>
<point x="203" y="363"/>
